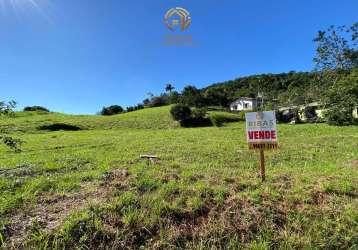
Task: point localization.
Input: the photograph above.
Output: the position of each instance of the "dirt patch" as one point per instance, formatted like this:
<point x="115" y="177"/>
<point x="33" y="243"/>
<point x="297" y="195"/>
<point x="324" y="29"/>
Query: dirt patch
<point x="352" y="164"/>
<point x="52" y="209"/>
<point x="283" y="181"/>
<point x="237" y="217"/>
<point x="318" y="198"/>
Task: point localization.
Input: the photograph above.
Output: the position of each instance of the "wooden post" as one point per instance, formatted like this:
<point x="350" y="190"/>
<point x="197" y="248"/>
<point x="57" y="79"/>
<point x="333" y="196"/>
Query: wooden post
<point x="262" y="165"/>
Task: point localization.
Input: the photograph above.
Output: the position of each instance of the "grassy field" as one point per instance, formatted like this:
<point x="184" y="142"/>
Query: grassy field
<point x="88" y="189"/>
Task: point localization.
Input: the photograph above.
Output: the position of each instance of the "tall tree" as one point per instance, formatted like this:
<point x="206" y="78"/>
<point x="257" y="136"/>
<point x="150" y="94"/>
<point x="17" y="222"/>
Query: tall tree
<point x="169" y="88"/>
<point x="336" y="59"/>
<point x="343" y="98"/>
<point x="191" y="96"/>
<point x="336" y="53"/>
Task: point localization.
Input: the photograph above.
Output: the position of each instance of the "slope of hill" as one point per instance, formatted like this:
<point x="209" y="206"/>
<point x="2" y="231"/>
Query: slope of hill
<point x="90" y="190"/>
<point x="151" y="118"/>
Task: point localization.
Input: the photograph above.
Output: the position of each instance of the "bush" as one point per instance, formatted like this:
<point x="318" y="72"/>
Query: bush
<point x="340" y="116"/>
<point x="218" y="119"/>
<point x="181" y="113"/>
<point x="199" y="113"/>
<point x="112" y="110"/>
<point x="12" y="143"/>
<point x="36" y="108"/>
<point x="199" y="118"/>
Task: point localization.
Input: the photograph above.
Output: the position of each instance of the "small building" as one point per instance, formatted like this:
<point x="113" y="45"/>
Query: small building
<point x="245" y="104"/>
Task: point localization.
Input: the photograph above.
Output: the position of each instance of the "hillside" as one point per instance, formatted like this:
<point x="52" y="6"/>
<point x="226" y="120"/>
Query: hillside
<point x="152" y="118"/>
<point x="89" y="189"/>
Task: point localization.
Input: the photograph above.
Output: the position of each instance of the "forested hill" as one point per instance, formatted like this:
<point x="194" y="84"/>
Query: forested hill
<point x="293" y="87"/>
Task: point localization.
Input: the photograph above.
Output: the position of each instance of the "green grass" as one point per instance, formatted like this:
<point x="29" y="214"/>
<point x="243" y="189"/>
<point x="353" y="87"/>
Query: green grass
<point x="29" y="122"/>
<point x="204" y="193"/>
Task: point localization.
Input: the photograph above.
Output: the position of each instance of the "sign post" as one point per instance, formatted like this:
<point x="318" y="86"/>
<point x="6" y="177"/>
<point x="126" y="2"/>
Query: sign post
<point x="261" y="134"/>
<point x="262" y="165"/>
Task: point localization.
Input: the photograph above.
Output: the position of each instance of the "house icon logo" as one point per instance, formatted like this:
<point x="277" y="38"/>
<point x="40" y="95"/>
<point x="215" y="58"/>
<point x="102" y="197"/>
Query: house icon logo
<point x="260" y="116"/>
<point x="177" y="17"/>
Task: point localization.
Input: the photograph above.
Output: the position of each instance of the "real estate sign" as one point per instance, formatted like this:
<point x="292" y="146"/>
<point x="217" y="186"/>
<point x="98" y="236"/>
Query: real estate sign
<point x="261" y="130"/>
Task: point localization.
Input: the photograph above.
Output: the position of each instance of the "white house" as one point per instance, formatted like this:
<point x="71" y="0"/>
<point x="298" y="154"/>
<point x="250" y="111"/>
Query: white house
<point x="245" y="104"/>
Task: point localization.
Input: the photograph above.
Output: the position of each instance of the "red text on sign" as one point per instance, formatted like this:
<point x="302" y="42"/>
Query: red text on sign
<point x="262" y="135"/>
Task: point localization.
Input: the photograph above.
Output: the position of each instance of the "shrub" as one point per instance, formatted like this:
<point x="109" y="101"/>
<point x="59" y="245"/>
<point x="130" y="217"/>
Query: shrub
<point x="339" y="115"/>
<point x="218" y="119"/>
<point x="112" y="110"/>
<point x="199" y="113"/>
<point x="181" y="113"/>
<point x="199" y="118"/>
<point x="12" y="143"/>
<point x="36" y="108"/>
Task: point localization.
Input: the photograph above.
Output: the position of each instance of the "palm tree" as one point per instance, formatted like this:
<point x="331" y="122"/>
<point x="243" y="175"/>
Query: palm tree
<point x="169" y="88"/>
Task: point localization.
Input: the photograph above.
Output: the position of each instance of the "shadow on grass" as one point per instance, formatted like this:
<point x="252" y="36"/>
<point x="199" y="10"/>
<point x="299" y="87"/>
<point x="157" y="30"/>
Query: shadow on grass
<point x="59" y="127"/>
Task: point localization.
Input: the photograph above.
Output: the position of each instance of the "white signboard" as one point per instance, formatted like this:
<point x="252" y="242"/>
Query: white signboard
<point x="261" y="130"/>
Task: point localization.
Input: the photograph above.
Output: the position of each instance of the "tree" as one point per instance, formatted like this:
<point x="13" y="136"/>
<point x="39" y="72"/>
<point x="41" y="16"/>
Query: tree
<point x="146" y="102"/>
<point x="191" y="96"/>
<point x="336" y="53"/>
<point x="36" y="108"/>
<point x="181" y="113"/>
<point x="336" y="48"/>
<point x="174" y="97"/>
<point x="158" y="101"/>
<point x="169" y="88"/>
<point x="343" y="98"/>
<point x="336" y="59"/>
<point x="7" y="109"/>
<point x="216" y="97"/>
<point x="112" y="110"/>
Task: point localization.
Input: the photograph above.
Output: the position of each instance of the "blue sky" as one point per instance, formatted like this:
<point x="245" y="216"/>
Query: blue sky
<point x="78" y="56"/>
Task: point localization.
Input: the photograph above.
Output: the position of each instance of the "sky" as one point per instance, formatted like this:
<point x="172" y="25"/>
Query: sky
<point x="76" y="56"/>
